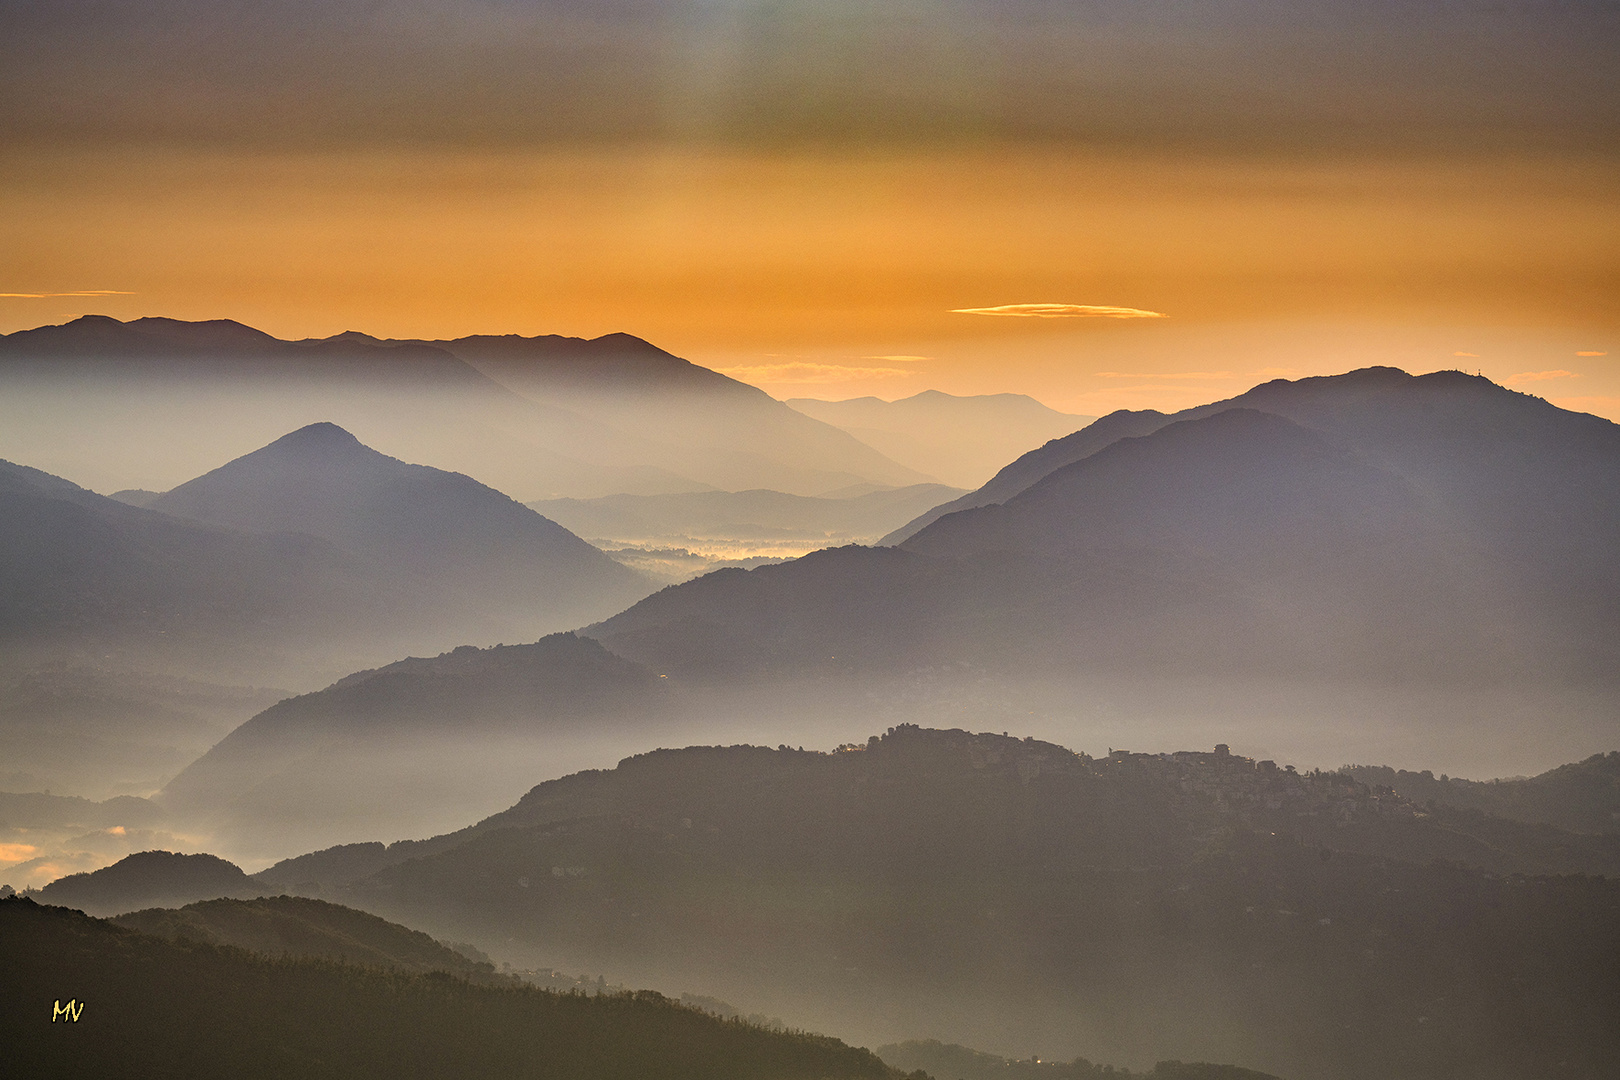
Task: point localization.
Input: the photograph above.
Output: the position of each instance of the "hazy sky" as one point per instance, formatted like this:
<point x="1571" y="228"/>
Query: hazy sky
<point x="808" y="192"/>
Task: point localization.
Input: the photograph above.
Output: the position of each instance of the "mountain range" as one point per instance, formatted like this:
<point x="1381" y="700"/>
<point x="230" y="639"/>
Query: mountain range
<point x="1401" y="534"/>
<point x="1009" y="892"/>
<point x="290" y="566"/>
<point x="1435" y="556"/>
<point x="146" y="404"/>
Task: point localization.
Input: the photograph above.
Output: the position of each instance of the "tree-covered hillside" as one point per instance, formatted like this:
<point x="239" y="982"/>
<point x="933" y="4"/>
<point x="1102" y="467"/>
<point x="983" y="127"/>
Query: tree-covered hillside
<point x="150" y="1007"/>
<point x="1197" y="906"/>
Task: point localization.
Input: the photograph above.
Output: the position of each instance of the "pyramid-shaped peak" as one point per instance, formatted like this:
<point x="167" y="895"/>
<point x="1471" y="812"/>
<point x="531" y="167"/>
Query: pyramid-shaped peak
<point x="320" y="436"/>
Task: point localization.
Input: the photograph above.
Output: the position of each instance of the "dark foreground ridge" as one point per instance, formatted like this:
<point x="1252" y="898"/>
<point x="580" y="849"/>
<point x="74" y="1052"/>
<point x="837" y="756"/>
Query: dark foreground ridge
<point x="152" y="1007"/>
<point x="1005" y="891"/>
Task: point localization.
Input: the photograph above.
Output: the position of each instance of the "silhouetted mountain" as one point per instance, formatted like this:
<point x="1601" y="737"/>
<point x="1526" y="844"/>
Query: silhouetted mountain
<point x="144" y="1006"/>
<point x="713" y="428"/>
<point x="149" y="879"/>
<point x="1038" y="463"/>
<point x="417" y="743"/>
<point x="136" y="496"/>
<point x="952" y="1062"/>
<point x="79" y="571"/>
<point x="306" y="929"/>
<point x="222" y="348"/>
<point x="1466" y="532"/>
<point x="148" y="403"/>
<point x="1195" y="906"/>
<point x="1582" y="797"/>
<point x="513" y="564"/>
<point x="961" y="440"/>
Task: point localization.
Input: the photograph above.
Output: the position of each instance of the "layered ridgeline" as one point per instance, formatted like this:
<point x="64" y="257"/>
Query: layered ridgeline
<point x="307" y="542"/>
<point x="104" y="606"/>
<point x="146" y="404"/>
<point x="143" y="1005"/>
<point x="418" y="745"/>
<point x="961" y="440"/>
<point x="709" y="427"/>
<point x="1370" y="533"/>
<point x="478" y="556"/>
<point x="308" y="558"/>
<point x="1011" y="894"/>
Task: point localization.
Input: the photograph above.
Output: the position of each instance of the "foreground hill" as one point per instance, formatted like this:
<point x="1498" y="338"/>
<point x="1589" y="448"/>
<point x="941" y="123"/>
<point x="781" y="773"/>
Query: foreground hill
<point x="442" y="527"/>
<point x="185" y="1009"/>
<point x="962" y="440"/>
<point x="307" y="929"/>
<point x="149" y="879"/>
<point x="1422" y="535"/>
<point x="1009" y="892"/>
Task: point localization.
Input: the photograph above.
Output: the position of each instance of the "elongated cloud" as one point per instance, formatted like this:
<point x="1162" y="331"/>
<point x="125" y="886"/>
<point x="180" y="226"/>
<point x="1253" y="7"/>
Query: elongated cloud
<point x="49" y="295"/>
<point x="1062" y="311"/>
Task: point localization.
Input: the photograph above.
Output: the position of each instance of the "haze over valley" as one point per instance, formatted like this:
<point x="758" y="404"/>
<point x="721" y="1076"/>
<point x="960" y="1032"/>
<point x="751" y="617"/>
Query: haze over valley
<point x="717" y="540"/>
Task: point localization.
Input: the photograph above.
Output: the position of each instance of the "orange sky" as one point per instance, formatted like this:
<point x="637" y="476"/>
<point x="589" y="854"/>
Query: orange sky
<point x="801" y="272"/>
<point x="796" y="191"/>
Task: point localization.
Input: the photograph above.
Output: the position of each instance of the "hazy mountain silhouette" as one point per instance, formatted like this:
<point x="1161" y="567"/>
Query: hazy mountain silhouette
<point x="148" y="403"/>
<point x="1199" y="906"/>
<point x="1038" y="463"/>
<point x="173" y="348"/>
<point x="412" y="745"/>
<point x="82" y="572"/>
<point x="961" y="440"/>
<point x="715" y="429"/>
<point x="513" y="564"/>
<point x="149" y="879"/>
<point x="1437" y="528"/>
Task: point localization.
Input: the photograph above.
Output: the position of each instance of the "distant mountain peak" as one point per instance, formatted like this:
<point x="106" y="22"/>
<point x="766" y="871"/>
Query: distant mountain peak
<point x="324" y="435"/>
<point x="350" y="336"/>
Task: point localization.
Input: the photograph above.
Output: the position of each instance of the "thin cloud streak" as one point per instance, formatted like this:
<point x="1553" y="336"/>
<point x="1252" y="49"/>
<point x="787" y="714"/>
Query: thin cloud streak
<point x="1062" y="311"/>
